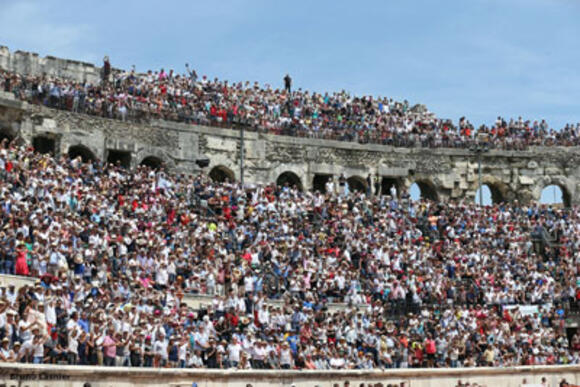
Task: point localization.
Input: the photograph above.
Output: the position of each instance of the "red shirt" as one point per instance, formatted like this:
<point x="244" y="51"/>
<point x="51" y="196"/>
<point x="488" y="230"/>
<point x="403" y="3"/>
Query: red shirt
<point x="430" y="346"/>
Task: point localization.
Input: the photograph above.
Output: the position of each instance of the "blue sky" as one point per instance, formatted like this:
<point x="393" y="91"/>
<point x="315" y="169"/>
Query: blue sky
<point x="478" y="58"/>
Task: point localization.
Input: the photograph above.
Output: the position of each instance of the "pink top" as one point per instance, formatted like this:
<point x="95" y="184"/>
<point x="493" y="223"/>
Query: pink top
<point x="110" y="348"/>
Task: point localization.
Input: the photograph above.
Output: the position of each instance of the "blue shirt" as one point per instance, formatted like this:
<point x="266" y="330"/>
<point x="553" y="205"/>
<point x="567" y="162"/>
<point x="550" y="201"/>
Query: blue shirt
<point x="84" y="324"/>
<point x="293" y="343"/>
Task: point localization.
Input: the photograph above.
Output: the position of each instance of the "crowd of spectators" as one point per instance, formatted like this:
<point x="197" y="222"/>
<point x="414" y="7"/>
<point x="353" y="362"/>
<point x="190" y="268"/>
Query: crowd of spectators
<point x="340" y="116"/>
<point x="424" y="284"/>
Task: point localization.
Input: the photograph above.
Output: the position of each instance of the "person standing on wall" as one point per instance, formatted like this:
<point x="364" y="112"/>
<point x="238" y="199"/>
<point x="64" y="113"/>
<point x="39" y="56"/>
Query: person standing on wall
<point x="377" y="184"/>
<point x="288" y="83"/>
<point x="106" y="68"/>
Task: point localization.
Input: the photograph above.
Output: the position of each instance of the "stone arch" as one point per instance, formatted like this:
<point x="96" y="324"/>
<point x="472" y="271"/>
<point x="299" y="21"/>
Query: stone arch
<point x="357" y="183"/>
<point x="154" y="154"/>
<point x="152" y="162"/>
<point x="319" y="182"/>
<point x="566" y="197"/>
<point x="6" y="134"/>
<point x="44" y="144"/>
<point x="426" y="188"/>
<point x="289" y="178"/>
<point x="499" y="191"/>
<point x="81" y="150"/>
<point x="221" y="173"/>
<point x="121" y="158"/>
<point x="387" y="182"/>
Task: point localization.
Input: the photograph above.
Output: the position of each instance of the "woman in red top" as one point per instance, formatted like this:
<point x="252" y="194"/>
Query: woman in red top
<point x="21" y="267"/>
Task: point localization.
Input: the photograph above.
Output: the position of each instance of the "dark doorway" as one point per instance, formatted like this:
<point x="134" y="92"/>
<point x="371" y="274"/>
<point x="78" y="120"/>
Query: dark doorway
<point x="221" y="174"/>
<point x="117" y="157"/>
<point x="152" y="162"/>
<point x="389" y="182"/>
<point x="289" y="178"/>
<point x="319" y="182"/>
<point x="44" y="145"/>
<point x="6" y="135"/>
<point x="81" y="151"/>
<point x="357" y="183"/>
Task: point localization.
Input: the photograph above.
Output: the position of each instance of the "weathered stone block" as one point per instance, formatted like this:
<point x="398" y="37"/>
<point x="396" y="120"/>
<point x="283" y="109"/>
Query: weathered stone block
<point x="221" y="143"/>
<point x="390" y="171"/>
<point x="525" y="180"/>
<point x="532" y="165"/>
<point x="530" y="172"/>
<point x="552" y="171"/>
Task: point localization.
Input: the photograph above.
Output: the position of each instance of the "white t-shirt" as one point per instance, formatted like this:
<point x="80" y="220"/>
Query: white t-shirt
<point x="37" y="349"/>
<point x="160" y="348"/>
<point x="234" y="352"/>
<point x="337" y="362"/>
<point x="285" y="356"/>
<point x="73" y="344"/>
<point x="249" y="284"/>
<point x="50" y="314"/>
<point x="182" y="355"/>
<point x="162" y="277"/>
<point x="259" y="352"/>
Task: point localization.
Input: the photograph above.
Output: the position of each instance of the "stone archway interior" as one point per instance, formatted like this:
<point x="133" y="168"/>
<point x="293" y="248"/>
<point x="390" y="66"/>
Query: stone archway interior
<point x="491" y="194"/>
<point x="319" y="182"/>
<point x="5" y="134"/>
<point x="80" y="150"/>
<point x="44" y="144"/>
<point x="152" y="162"/>
<point x="554" y="194"/>
<point x="356" y="183"/>
<point x="388" y="182"/>
<point x="221" y="174"/>
<point x="425" y="190"/>
<point x="289" y="179"/>
<point x="117" y="157"/>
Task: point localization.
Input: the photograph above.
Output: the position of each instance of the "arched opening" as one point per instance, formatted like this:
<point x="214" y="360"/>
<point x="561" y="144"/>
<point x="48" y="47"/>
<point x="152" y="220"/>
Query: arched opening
<point x="5" y="134"/>
<point x="80" y="150"/>
<point x="423" y="189"/>
<point x="555" y="195"/>
<point x="388" y="182"/>
<point x="357" y="183"/>
<point x="152" y="162"/>
<point x="121" y="158"/>
<point x="289" y="179"/>
<point x="319" y="182"/>
<point x="44" y="144"/>
<point x="221" y="174"/>
<point x="489" y="194"/>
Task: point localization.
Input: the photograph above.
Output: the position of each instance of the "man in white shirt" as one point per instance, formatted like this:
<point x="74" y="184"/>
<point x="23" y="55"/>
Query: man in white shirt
<point x="248" y="284"/>
<point x="162" y="277"/>
<point x="160" y="350"/>
<point x="234" y="350"/>
<point x="35" y="346"/>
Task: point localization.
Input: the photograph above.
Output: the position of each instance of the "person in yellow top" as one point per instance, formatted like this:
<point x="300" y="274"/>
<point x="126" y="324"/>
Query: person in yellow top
<point x="489" y="355"/>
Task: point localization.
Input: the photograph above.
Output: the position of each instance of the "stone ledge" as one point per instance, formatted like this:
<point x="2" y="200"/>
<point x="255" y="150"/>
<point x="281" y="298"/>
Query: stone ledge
<point x="48" y="375"/>
<point x="407" y="372"/>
